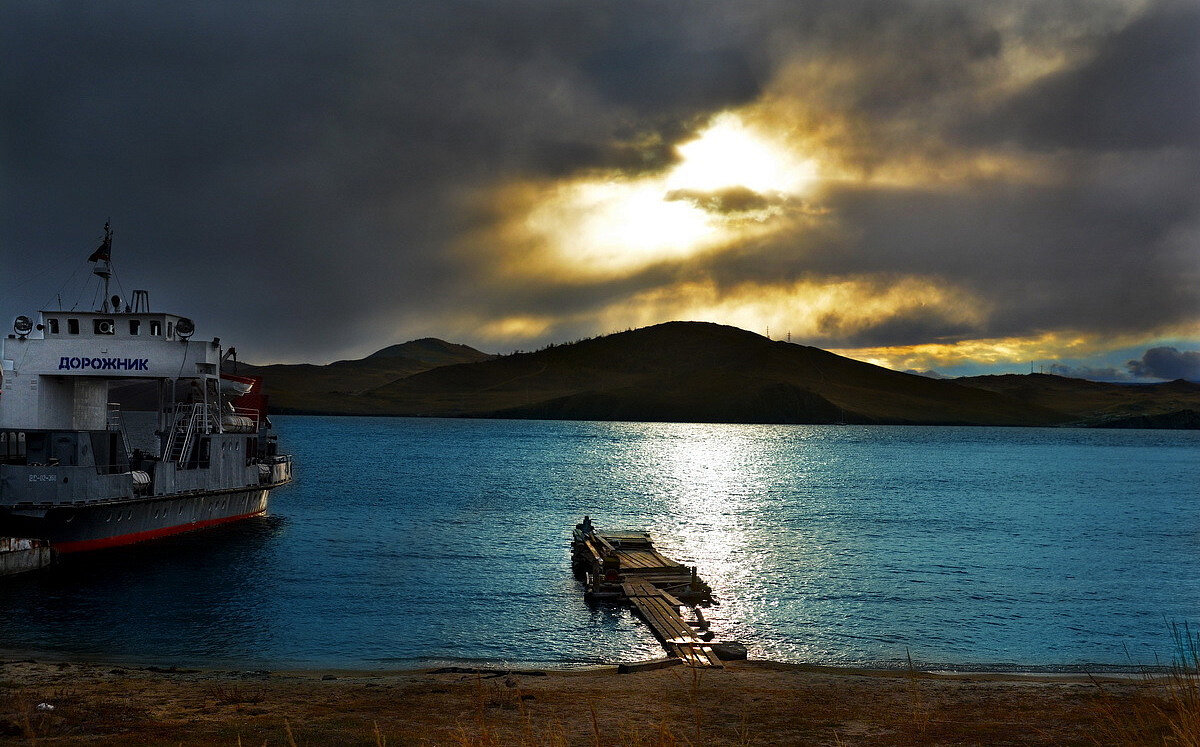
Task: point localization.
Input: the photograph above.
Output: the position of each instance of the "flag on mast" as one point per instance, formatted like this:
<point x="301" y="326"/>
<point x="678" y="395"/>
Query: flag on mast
<point x="103" y="252"/>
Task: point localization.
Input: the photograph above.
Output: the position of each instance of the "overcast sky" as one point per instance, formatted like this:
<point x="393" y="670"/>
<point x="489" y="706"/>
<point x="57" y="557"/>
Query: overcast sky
<point x="958" y="186"/>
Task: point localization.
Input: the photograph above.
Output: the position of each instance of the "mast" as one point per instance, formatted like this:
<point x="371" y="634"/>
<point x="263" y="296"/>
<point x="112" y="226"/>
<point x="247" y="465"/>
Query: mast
<point x="103" y="259"/>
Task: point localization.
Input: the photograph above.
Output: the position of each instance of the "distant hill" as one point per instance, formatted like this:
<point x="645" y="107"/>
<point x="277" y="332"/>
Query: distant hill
<point x="690" y="371"/>
<point x="430" y="351"/>
<point x="1170" y="404"/>
<point x="314" y="387"/>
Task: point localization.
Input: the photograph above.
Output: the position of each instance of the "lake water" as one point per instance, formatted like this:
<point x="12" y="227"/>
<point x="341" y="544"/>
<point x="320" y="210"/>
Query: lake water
<point x="409" y="542"/>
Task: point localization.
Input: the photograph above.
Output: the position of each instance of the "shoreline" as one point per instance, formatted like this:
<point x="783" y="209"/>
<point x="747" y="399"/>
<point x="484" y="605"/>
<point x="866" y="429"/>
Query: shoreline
<point x="755" y="702"/>
<point x="1013" y="669"/>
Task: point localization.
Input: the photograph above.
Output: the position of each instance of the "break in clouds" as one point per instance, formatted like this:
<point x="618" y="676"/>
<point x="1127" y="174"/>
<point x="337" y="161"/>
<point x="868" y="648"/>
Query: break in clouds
<point x="923" y="184"/>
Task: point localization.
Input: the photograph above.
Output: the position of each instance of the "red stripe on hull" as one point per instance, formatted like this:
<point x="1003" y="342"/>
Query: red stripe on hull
<point x="129" y="539"/>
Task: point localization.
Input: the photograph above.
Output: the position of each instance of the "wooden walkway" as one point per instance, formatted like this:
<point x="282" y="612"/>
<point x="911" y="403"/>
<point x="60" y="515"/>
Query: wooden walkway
<point x="660" y="610"/>
<point x="624" y="566"/>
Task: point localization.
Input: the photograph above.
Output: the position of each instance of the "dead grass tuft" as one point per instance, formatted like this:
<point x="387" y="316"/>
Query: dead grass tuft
<point x="232" y="694"/>
<point x="1162" y="709"/>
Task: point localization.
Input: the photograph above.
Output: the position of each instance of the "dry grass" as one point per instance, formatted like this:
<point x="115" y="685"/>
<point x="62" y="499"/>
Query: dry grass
<point x="750" y="703"/>
<point x="1164" y="709"/>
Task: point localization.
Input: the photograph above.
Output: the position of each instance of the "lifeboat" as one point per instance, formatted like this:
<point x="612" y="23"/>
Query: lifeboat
<point x="234" y="386"/>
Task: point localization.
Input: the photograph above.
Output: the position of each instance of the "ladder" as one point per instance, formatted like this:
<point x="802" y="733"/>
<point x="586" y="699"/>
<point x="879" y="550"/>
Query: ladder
<point x="183" y="432"/>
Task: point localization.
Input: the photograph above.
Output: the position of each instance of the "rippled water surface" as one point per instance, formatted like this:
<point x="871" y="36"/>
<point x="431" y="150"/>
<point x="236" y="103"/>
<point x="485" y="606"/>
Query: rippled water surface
<point x="408" y="541"/>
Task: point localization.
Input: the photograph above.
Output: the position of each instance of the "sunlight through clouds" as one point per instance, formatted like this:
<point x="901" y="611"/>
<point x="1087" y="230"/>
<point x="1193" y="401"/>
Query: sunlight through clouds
<point x="732" y="183"/>
<point x="619" y="225"/>
<point x="731" y="153"/>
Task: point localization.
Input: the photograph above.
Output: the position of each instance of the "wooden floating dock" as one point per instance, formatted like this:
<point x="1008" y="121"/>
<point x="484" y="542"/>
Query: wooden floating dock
<point x="625" y="567"/>
<point x="20" y="555"/>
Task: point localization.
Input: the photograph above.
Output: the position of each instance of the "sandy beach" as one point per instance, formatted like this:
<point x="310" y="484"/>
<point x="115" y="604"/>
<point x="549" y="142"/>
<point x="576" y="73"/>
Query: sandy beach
<point x="751" y="702"/>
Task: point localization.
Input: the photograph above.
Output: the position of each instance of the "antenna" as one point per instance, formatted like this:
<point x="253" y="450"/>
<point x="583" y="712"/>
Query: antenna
<point x="103" y="259"/>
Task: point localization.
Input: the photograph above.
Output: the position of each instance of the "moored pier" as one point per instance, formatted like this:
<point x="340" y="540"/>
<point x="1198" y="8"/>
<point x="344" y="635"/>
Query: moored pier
<point x="21" y="554"/>
<point x="625" y="567"/>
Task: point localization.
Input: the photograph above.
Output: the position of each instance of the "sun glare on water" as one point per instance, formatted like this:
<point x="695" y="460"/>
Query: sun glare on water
<point x="598" y="225"/>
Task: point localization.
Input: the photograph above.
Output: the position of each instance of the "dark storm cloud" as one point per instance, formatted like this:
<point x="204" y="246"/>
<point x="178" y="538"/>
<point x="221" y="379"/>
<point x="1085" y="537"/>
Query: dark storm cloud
<point x="1051" y="257"/>
<point x="1088" y="372"/>
<point x="731" y="200"/>
<point x="1167" y="363"/>
<point x="1141" y="90"/>
<point x="297" y="175"/>
<point x="305" y="166"/>
<point x="1101" y="236"/>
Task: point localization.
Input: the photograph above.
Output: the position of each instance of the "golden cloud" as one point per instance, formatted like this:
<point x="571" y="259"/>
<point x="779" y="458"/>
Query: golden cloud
<point x="1047" y="346"/>
<point x="812" y="310"/>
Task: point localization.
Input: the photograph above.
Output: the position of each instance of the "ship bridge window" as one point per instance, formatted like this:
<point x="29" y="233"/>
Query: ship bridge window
<point x="53" y="326"/>
<point x="135" y="326"/>
<point x="72" y="326"/>
<point x="103" y="326"/>
<point x="156" y="328"/>
<point x="170" y="330"/>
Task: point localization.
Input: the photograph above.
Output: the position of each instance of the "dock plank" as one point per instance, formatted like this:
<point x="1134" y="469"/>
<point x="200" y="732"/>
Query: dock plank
<point x="649" y="581"/>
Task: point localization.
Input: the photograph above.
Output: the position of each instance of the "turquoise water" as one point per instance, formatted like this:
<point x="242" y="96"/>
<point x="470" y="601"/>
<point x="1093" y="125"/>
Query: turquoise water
<point x="407" y="542"/>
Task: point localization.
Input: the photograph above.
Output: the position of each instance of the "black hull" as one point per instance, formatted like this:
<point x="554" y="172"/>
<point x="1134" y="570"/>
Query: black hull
<point x="80" y="528"/>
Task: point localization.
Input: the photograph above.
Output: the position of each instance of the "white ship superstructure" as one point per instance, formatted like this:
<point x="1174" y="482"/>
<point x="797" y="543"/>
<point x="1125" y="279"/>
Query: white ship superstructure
<point x="67" y="473"/>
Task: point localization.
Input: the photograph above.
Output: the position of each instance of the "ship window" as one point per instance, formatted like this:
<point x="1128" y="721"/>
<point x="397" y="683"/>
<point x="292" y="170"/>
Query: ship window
<point x="72" y="326"/>
<point x="156" y="328"/>
<point x="54" y="326"/>
<point x="12" y="446"/>
<point x="170" y="330"/>
<point x="103" y="326"/>
<point x="134" y="326"/>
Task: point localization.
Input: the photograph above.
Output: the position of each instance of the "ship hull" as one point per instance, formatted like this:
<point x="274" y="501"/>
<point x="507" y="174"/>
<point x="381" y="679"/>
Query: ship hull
<point x="71" y="529"/>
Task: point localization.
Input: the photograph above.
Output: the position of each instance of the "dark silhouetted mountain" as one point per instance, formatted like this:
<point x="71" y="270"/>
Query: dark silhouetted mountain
<point x="692" y="371"/>
<point x="430" y="351"/>
<point x="312" y="387"/>
<point x="702" y="372"/>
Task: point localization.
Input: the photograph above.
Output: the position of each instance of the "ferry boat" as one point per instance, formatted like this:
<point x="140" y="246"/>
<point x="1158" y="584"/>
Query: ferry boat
<point x="67" y="474"/>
